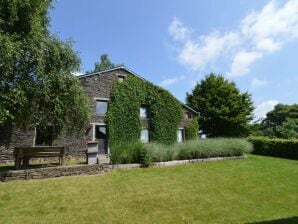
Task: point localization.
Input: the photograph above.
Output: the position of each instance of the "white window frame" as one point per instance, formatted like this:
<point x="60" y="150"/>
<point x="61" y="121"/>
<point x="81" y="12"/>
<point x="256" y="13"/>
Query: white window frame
<point x="145" y="129"/>
<point x="146" y="112"/>
<point x="93" y="133"/>
<point x="100" y="100"/>
<point x="183" y="137"/>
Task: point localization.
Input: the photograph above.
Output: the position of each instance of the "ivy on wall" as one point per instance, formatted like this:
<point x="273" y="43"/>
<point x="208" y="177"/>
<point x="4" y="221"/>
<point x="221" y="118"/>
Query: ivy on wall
<point x="191" y="129"/>
<point x="123" y="116"/>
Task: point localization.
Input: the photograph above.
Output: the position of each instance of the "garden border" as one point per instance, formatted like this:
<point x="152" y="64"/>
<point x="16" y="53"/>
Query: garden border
<point x="61" y="171"/>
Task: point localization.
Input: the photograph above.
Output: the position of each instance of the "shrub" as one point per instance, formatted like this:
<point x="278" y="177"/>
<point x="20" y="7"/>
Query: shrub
<point x="147" y="154"/>
<point x="126" y="153"/>
<point x="155" y="152"/>
<point x="191" y="130"/>
<point x="219" y="147"/>
<point x="275" y="147"/>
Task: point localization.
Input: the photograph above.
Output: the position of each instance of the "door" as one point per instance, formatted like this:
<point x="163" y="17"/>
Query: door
<point x="101" y="137"/>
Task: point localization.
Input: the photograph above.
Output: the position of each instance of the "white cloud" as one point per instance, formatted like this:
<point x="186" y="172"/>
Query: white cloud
<point x="171" y="81"/>
<point x="197" y="54"/>
<point x="255" y="83"/>
<point x="259" y="33"/>
<point x="242" y="62"/>
<point x="264" y="107"/>
<point x="178" y="31"/>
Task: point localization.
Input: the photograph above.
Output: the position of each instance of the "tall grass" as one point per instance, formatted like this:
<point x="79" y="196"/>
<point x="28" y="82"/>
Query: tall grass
<point x="219" y="147"/>
<point x="126" y="153"/>
<point x="195" y="149"/>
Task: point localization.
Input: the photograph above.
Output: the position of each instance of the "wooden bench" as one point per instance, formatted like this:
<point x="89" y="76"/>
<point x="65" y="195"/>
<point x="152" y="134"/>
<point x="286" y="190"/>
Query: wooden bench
<point x="26" y="153"/>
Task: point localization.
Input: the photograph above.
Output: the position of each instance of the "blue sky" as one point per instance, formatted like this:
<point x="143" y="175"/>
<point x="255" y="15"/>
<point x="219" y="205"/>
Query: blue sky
<point x="176" y="43"/>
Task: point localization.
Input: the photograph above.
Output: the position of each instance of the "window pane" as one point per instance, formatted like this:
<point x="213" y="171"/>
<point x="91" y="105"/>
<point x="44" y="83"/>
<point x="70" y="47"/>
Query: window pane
<point x="101" y="107"/>
<point x="100" y="132"/>
<point x="143" y="112"/>
<point x="121" y="78"/>
<point x="180" y="135"/>
<point x="44" y="136"/>
<point x="145" y="136"/>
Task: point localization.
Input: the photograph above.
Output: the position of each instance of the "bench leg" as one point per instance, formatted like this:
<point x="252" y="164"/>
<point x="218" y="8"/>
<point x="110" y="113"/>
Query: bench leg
<point x="25" y="162"/>
<point x="18" y="163"/>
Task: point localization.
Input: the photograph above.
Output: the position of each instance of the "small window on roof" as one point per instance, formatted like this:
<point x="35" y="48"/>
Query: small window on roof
<point x="188" y="115"/>
<point x="121" y="78"/>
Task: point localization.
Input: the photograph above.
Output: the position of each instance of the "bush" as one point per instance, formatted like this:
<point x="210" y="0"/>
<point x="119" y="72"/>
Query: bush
<point x="219" y="147"/>
<point x="126" y="153"/>
<point x="147" y="154"/>
<point x="275" y="147"/>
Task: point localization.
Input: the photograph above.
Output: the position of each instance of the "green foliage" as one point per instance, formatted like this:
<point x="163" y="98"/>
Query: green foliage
<point x="275" y="147"/>
<point x="36" y="83"/>
<point x="281" y="122"/>
<point x="218" y="147"/>
<point x="123" y="116"/>
<point x="191" y="130"/>
<point x="126" y="153"/>
<point x="104" y="64"/>
<point x="146" y="154"/>
<point x="224" y="110"/>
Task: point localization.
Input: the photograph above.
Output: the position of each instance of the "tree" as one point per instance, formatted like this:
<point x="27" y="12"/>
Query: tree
<point x="104" y="64"/>
<point x="224" y="110"/>
<point x="281" y="122"/>
<point x="36" y="83"/>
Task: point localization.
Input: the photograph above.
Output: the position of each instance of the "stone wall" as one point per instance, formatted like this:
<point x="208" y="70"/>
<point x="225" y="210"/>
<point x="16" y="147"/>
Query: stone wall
<point x="52" y="172"/>
<point x="96" y="86"/>
<point x="11" y="136"/>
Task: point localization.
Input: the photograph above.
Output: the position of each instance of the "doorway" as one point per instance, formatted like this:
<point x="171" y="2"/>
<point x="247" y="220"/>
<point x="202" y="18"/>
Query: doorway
<point x="101" y="137"/>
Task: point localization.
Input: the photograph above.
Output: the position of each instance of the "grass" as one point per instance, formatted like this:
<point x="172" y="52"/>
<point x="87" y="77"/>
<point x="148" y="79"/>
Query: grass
<point x="252" y="190"/>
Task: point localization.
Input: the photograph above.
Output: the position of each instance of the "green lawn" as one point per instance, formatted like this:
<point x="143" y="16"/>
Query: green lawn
<point x="251" y="190"/>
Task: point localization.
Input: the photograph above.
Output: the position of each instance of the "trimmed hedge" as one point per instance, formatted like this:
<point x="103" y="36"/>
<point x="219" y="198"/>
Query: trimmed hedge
<point x="275" y="147"/>
<point x="156" y="152"/>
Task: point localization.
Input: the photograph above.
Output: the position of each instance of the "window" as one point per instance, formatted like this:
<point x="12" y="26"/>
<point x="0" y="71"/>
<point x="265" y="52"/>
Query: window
<point x="145" y="136"/>
<point x="100" y="132"/>
<point x="121" y="78"/>
<point x="44" y="136"/>
<point x="144" y="112"/>
<point x="180" y="135"/>
<point x="188" y="115"/>
<point x="101" y="107"/>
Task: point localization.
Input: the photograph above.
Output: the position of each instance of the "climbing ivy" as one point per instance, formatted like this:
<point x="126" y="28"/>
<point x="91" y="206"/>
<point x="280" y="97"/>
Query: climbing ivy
<point x="191" y="130"/>
<point x="123" y="116"/>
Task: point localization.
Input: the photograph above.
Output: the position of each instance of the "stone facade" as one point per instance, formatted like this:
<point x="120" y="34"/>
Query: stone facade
<point x="97" y="87"/>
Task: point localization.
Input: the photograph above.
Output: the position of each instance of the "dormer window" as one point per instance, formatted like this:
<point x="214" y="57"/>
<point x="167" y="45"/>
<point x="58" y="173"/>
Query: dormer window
<point x="144" y="112"/>
<point x="188" y="115"/>
<point x="121" y="78"/>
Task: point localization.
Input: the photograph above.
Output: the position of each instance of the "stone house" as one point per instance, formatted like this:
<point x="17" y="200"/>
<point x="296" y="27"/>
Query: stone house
<point x="97" y="87"/>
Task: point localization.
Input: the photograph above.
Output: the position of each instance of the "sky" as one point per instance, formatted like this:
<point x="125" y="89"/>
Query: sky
<point x="176" y="43"/>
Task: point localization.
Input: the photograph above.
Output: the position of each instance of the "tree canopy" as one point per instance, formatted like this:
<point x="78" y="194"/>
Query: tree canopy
<point x="36" y="82"/>
<point x="224" y="110"/>
<point x="104" y="64"/>
<point x="281" y="122"/>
